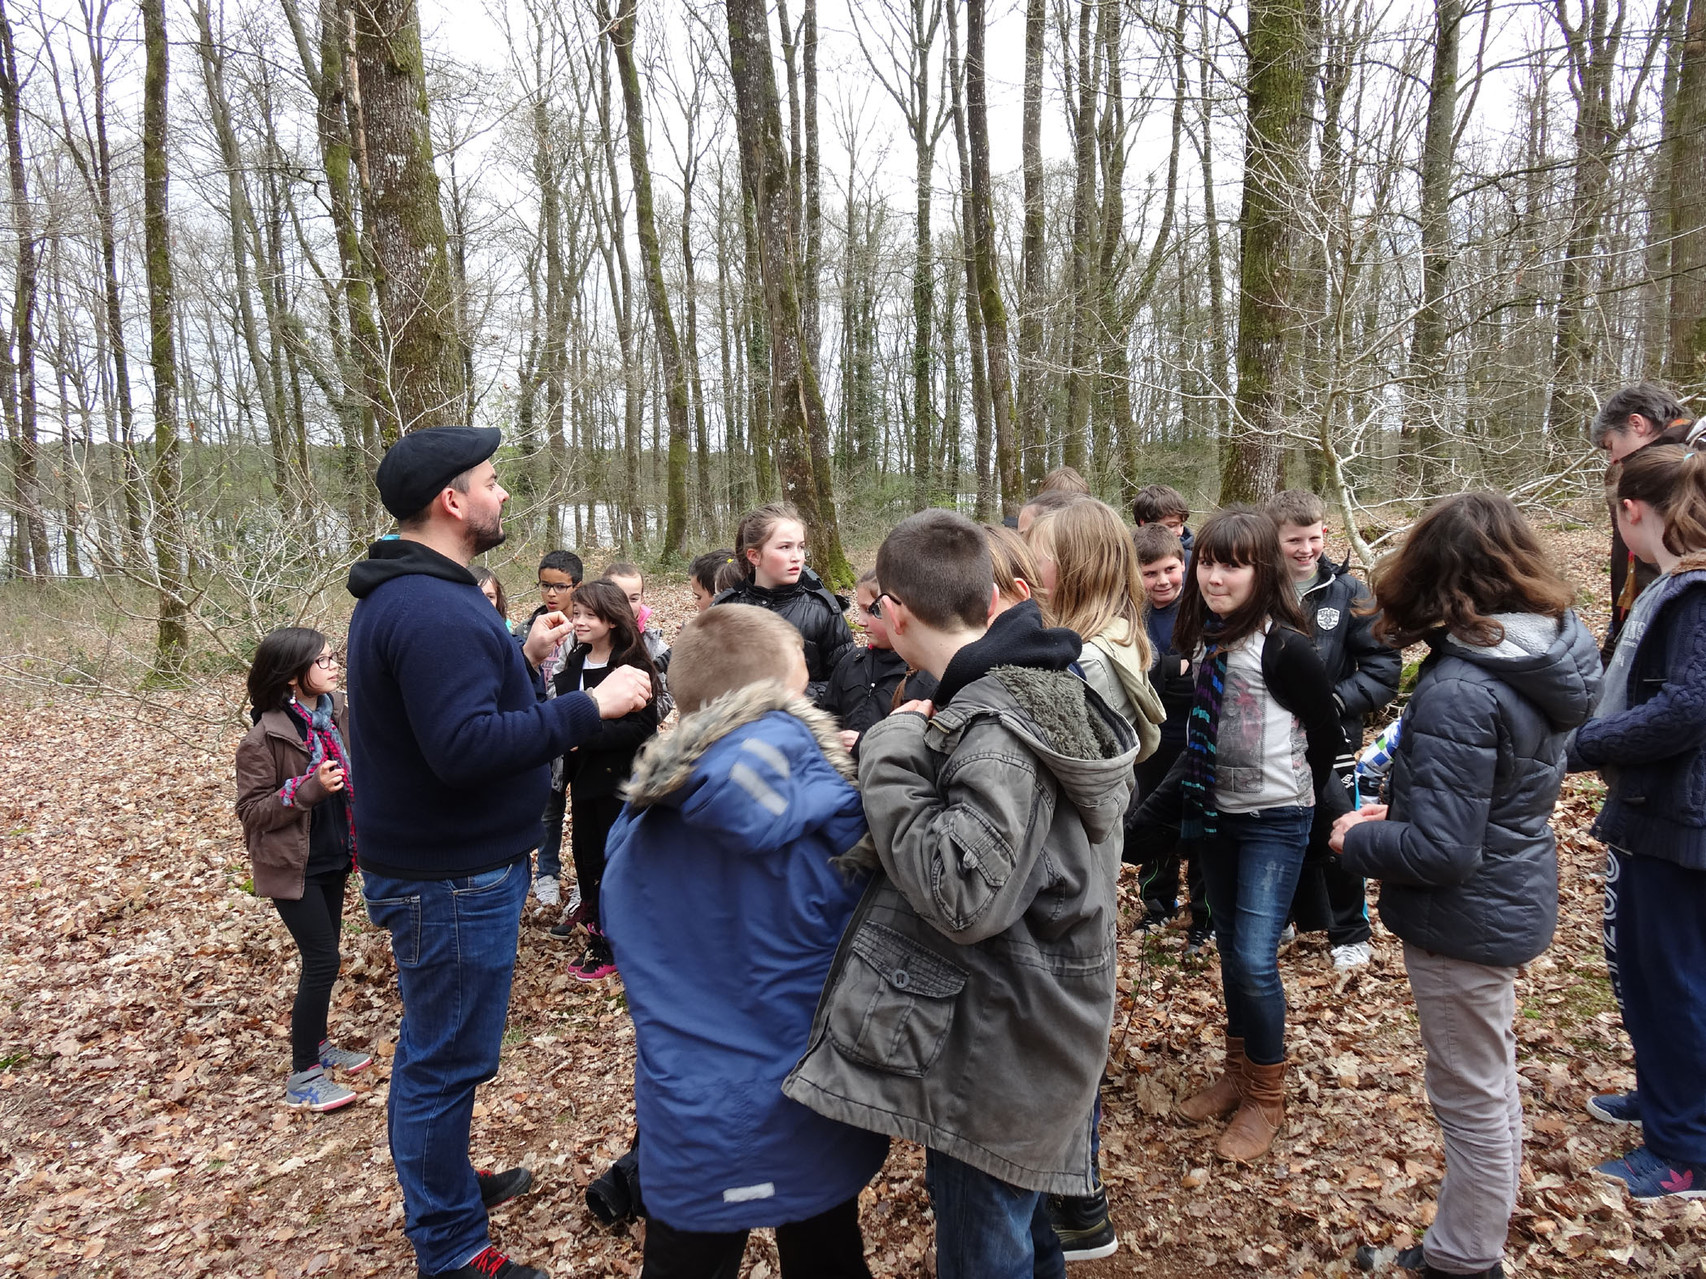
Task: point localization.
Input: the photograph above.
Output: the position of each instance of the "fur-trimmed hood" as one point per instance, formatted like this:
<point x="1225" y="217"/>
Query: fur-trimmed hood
<point x="667" y="763"/>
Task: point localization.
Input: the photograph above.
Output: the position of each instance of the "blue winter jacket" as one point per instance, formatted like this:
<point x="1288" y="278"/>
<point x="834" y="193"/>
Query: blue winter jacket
<point x="724" y="912"/>
<point x="1656" y="748"/>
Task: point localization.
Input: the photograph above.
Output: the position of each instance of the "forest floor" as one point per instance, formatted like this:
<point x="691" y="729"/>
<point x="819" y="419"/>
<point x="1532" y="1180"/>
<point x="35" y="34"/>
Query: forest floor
<point x="144" y="1004"/>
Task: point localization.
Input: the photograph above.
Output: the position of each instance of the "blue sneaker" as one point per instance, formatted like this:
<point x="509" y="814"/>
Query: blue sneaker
<point x="314" y="1090"/>
<point x="1649" y="1177"/>
<point x="1616" y="1107"/>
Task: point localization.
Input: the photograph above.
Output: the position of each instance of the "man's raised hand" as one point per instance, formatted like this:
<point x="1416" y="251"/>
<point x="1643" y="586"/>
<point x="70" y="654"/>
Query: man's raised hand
<point x="548" y="631"/>
<point x="623" y="691"/>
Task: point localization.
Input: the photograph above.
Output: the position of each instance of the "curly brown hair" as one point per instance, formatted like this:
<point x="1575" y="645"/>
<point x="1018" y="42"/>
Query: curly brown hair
<point x="1468" y="557"/>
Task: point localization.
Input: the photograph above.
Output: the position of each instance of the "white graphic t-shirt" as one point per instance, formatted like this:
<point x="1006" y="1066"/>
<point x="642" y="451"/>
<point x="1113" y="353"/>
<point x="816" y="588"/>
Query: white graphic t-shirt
<point x="1260" y="756"/>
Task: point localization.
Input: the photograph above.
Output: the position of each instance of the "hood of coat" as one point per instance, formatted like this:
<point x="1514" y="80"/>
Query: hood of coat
<point x="666" y="764"/>
<point x="1552" y="662"/>
<point x="1090" y="750"/>
<point x="1115" y="645"/>
<point x="809" y="583"/>
<point x="392" y="557"/>
<point x="1016" y="637"/>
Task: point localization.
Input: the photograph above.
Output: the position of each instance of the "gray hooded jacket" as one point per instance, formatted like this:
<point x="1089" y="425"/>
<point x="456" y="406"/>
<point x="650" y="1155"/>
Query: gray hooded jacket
<point x="1466" y="856"/>
<point x="969" y="1006"/>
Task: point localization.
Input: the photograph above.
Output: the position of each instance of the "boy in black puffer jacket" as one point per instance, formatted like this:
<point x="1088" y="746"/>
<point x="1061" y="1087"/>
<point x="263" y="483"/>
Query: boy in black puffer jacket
<point x="1365" y="676"/>
<point x="863" y="686"/>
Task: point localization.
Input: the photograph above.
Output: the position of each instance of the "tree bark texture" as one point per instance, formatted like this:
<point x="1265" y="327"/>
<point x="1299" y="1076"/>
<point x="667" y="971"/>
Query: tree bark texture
<point x="1686" y="362"/>
<point x="800" y="423"/>
<point x="423" y="368"/>
<point x="1274" y="177"/>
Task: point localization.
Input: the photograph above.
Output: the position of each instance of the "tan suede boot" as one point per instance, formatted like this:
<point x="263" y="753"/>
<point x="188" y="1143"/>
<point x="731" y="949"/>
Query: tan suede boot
<point x="1221" y="1097"/>
<point x="1259" y="1118"/>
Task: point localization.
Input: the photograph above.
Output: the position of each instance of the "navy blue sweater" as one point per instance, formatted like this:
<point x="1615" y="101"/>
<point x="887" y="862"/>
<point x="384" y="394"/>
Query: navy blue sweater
<point x="453" y="739"/>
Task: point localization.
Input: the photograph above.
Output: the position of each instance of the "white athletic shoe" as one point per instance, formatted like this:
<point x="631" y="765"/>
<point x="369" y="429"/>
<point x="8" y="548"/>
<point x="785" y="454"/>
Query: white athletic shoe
<point x="1352" y="955"/>
<point x="545" y="889"/>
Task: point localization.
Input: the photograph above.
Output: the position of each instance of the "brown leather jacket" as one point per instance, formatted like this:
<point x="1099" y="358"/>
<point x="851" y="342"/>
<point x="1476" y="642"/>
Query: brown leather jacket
<point x="268" y="756"/>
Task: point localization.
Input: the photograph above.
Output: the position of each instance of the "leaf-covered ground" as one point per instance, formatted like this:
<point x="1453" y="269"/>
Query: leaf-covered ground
<point x="144" y="1004"/>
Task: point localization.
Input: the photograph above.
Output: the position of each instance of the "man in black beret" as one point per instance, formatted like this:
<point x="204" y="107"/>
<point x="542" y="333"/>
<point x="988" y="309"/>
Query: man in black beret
<point x="451" y="749"/>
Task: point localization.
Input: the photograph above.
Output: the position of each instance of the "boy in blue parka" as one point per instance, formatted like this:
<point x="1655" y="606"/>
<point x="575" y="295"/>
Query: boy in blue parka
<point x="726" y="892"/>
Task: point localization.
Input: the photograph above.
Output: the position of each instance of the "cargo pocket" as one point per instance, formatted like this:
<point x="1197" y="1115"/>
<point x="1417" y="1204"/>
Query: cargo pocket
<point x="894" y="1003"/>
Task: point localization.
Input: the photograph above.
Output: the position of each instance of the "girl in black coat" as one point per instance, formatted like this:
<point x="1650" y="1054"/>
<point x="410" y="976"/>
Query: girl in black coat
<point x="771" y="549"/>
<point x="1255" y="777"/>
<point x="606" y="636"/>
<point x="1463" y="849"/>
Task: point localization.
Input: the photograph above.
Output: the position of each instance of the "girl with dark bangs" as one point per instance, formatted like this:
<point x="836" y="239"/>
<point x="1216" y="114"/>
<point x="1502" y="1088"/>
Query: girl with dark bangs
<point x="607" y="635"/>
<point x="1463" y="844"/>
<point x="1254" y="777"/>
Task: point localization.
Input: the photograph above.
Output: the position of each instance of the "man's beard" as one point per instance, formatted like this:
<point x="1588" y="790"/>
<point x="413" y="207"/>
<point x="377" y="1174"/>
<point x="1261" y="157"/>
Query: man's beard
<point x="483" y="537"/>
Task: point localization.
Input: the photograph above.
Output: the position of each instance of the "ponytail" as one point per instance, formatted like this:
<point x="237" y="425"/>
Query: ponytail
<point x="1671" y="480"/>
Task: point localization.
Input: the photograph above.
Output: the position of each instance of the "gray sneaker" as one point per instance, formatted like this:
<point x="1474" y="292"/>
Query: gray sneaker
<point x="334" y="1058"/>
<point x="313" y="1090"/>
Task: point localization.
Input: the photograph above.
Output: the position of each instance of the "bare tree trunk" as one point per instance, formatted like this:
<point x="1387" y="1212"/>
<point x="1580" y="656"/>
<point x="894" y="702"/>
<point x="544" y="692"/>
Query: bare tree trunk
<point x="1686" y="364"/>
<point x="1033" y="413"/>
<point x="1078" y="376"/>
<point x="621" y="32"/>
<point x="28" y="464"/>
<point x="1273" y="176"/>
<point x="982" y="410"/>
<point x="800" y="420"/>
<point x="983" y="253"/>
<point x="1427" y="342"/>
<point x="172" y="637"/>
<point x="411" y="255"/>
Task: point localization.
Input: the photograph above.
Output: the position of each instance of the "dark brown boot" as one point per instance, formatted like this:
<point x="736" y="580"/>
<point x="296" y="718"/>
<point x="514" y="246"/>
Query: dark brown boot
<point x="1260" y="1117"/>
<point x="1221" y="1097"/>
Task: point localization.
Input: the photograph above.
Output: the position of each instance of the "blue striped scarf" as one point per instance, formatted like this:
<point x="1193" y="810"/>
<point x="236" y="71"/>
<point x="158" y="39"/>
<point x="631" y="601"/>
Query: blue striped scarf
<point x="1202" y="727"/>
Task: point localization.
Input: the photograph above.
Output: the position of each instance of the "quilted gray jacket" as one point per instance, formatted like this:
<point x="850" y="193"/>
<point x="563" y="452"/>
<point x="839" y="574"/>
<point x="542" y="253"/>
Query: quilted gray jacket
<point x="969" y="1006"/>
<point x="1466" y="858"/>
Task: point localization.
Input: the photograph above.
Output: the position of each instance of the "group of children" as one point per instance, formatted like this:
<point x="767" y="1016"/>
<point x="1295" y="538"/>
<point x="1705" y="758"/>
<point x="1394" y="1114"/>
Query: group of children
<point x="903" y="854"/>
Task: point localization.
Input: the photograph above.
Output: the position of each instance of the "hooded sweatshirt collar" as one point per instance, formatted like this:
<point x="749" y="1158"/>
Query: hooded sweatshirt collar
<point x="1553" y="663"/>
<point x="1015" y="638"/>
<point x="392" y="557"/>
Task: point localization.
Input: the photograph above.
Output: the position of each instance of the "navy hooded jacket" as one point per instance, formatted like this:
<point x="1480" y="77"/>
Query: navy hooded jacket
<point x="1655" y="749"/>
<point x="724" y="912"/>
<point x="449" y="730"/>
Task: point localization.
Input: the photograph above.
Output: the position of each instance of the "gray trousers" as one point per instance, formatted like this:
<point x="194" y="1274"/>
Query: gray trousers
<point x="1466" y="1011"/>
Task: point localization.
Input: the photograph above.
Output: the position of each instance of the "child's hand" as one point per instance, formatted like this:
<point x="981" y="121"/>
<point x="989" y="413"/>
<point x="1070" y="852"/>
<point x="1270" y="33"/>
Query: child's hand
<point x="1367" y="813"/>
<point x="548" y="631"/>
<point x="330" y="775"/>
<point x="923" y="706"/>
<point x="848" y="737"/>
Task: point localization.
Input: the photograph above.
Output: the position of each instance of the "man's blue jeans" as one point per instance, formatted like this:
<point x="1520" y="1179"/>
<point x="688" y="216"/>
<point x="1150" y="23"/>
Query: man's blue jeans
<point x="454" y="942"/>
<point x="1250" y="870"/>
<point x="988" y="1229"/>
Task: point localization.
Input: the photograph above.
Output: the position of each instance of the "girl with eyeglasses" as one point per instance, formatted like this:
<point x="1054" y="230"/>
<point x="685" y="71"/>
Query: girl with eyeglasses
<point x="293" y="798"/>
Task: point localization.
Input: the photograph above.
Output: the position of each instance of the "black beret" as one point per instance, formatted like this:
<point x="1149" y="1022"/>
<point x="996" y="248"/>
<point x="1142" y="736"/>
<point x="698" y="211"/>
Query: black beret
<point x="416" y="468"/>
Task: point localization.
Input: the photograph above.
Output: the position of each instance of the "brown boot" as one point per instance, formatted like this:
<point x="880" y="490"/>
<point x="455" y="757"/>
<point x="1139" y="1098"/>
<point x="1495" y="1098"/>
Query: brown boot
<point x="1259" y="1118"/>
<point x="1221" y="1097"/>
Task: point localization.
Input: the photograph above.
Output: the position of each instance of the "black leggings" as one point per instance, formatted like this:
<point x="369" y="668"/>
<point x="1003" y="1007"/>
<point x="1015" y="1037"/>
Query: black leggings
<point x="590" y="828"/>
<point x="314" y="922"/>
<point x="827" y="1246"/>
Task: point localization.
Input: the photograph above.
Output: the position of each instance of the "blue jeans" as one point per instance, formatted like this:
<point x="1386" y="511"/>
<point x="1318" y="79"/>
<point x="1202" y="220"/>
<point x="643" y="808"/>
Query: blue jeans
<point x="1250" y="870"/>
<point x="988" y="1229"/>
<point x="454" y="941"/>
<point x="551" y="846"/>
